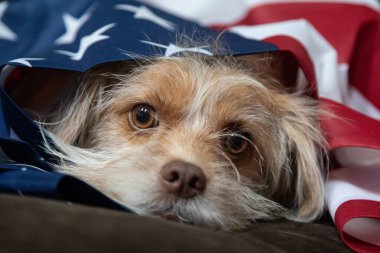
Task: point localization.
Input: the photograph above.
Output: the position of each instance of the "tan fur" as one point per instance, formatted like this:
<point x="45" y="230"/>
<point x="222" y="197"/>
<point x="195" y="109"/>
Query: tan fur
<point x="196" y="98"/>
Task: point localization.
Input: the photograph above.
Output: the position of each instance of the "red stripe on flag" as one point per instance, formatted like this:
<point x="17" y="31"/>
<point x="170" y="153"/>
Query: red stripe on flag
<point x="364" y="71"/>
<point x="349" y="128"/>
<point x="357" y="209"/>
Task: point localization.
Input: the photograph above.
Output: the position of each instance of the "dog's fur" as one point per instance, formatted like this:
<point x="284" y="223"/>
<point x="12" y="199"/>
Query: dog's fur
<point x="199" y="101"/>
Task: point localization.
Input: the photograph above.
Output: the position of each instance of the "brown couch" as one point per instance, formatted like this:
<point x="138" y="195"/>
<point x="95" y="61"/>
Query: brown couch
<point x="39" y="225"/>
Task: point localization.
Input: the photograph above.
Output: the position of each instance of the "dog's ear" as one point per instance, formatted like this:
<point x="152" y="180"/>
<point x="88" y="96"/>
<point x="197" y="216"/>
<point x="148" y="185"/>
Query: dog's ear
<point x="78" y="113"/>
<point x="280" y="66"/>
<point x="301" y="175"/>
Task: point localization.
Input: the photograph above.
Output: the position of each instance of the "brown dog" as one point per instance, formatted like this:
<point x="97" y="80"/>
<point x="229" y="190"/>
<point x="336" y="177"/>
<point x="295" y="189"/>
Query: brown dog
<point x="194" y="138"/>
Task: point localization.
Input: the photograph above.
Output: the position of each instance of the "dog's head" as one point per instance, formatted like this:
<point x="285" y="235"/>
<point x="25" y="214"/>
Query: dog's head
<point x="194" y="139"/>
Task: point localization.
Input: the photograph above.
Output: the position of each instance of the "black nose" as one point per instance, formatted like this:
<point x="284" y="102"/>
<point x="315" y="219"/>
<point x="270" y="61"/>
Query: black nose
<point x="185" y="180"/>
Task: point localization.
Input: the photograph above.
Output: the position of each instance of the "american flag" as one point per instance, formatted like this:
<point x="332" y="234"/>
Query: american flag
<point x="336" y="44"/>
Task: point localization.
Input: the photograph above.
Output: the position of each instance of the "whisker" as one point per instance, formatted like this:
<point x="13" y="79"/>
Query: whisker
<point x="221" y="152"/>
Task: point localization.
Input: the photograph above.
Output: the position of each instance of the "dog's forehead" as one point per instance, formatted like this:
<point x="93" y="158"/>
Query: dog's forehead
<point x="191" y="88"/>
<point x="194" y="79"/>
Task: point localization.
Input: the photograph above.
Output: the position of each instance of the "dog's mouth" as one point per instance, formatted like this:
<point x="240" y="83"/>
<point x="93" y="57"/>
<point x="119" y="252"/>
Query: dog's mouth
<point x="171" y="216"/>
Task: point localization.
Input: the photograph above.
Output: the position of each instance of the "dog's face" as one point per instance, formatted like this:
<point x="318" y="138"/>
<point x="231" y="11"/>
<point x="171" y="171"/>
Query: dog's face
<point x="195" y="140"/>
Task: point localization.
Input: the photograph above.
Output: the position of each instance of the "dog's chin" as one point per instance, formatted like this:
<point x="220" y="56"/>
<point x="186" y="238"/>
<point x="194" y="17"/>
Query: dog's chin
<point x="200" y="212"/>
<point x="192" y="211"/>
<point x="171" y="216"/>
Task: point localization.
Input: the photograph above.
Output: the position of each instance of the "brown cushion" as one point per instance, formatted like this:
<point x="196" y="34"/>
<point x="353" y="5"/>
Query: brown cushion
<point x="39" y="225"/>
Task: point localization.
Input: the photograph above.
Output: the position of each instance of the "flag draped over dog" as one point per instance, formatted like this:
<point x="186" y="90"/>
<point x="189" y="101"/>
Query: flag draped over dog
<point x="336" y="43"/>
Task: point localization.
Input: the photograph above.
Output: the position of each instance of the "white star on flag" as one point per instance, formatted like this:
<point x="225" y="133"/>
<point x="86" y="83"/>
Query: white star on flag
<point x="73" y="25"/>
<point x="5" y="32"/>
<point x="144" y="13"/>
<point x="25" y="61"/>
<point x="173" y="49"/>
<point x="88" y="41"/>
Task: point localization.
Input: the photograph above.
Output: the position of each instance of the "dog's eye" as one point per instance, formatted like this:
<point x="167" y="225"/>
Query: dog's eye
<point x="236" y="143"/>
<point x="143" y="116"/>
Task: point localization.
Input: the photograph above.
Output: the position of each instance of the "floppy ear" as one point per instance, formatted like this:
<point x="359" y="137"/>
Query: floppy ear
<point x="280" y="66"/>
<point x="302" y="172"/>
<point x="75" y="116"/>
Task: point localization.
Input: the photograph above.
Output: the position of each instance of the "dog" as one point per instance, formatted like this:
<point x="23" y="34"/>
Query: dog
<point x="216" y="142"/>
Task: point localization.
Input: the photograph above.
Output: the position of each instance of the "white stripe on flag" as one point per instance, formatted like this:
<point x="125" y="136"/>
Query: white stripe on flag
<point x="347" y="184"/>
